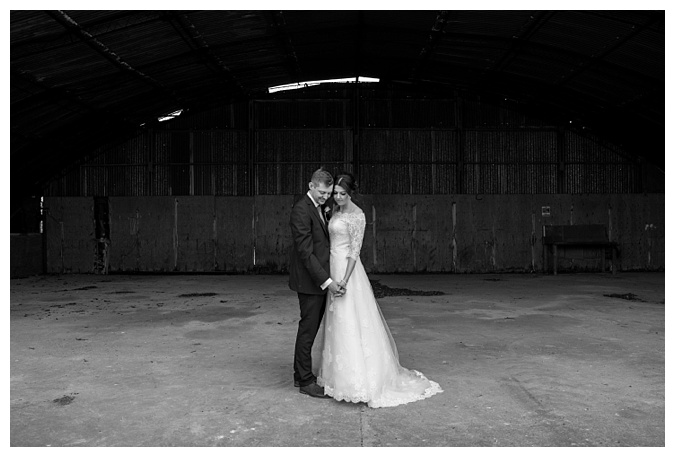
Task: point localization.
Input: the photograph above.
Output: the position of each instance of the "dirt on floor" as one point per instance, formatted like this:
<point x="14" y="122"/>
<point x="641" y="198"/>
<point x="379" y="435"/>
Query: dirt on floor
<point x="571" y="360"/>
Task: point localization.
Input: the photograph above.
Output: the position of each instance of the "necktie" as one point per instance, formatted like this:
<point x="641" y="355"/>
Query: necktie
<point x="321" y="214"/>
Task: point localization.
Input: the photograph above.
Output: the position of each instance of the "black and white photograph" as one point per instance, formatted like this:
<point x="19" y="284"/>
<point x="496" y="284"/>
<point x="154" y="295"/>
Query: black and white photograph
<point x="340" y="225"/>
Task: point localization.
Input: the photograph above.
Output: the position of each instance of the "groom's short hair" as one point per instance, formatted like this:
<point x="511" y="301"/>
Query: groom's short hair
<point x="321" y="176"/>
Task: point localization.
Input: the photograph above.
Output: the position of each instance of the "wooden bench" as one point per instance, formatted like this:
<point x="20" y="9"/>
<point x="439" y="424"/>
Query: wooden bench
<point x="591" y="235"/>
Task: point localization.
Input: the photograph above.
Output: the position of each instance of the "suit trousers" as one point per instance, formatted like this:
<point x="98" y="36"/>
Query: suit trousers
<point x="312" y="308"/>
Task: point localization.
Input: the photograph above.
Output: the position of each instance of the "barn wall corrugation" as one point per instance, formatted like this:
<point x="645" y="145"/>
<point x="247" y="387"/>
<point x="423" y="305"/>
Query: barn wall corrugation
<point x="594" y="167"/>
<point x="303" y="114"/>
<point x="285" y="159"/>
<point x="479" y="113"/>
<point x="395" y="143"/>
<point x="219" y="163"/>
<point x="510" y="162"/>
<point x="232" y="116"/>
<point x="380" y="112"/>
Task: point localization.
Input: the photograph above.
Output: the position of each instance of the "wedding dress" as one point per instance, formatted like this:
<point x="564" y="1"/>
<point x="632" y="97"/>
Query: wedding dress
<point x="354" y="355"/>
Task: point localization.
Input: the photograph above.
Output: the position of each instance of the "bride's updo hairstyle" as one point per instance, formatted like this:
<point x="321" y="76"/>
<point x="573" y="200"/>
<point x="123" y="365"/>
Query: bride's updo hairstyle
<point x="347" y="182"/>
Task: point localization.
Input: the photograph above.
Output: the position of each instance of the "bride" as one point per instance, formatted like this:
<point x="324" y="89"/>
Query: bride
<point x="354" y="355"/>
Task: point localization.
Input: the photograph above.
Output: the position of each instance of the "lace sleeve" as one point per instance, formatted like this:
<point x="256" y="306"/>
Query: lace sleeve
<point x="357" y="228"/>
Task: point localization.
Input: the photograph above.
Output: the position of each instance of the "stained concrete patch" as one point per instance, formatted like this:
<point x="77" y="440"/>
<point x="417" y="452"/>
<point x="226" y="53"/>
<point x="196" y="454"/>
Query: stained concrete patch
<point x="382" y="290"/>
<point x="199" y="294"/>
<point x="65" y="400"/>
<point x="628" y="296"/>
<point x="524" y="361"/>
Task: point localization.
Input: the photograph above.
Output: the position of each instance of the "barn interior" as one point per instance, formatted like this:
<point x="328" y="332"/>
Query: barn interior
<point x="510" y="163"/>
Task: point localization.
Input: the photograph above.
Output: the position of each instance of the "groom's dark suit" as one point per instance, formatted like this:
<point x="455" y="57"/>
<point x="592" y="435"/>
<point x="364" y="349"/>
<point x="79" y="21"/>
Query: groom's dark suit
<point x="309" y="269"/>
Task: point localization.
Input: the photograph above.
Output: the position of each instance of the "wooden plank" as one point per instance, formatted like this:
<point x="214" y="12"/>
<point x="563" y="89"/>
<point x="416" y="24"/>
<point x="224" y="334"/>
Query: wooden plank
<point x="272" y="232"/>
<point x="234" y="234"/>
<point x="404" y="233"/>
<point x="638" y="225"/>
<point x="394" y="243"/>
<point x="195" y="234"/>
<point x="70" y="234"/>
<point x="587" y="233"/>
<point x="475" y="235"/>
<point x="25" y="254"/>
<point x="512" y="222"/>
<point x="432" y="233"/>
<point x="142" y="234"/>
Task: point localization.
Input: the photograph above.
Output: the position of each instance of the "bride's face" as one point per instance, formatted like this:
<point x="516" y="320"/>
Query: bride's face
<point x="340" y="195"/>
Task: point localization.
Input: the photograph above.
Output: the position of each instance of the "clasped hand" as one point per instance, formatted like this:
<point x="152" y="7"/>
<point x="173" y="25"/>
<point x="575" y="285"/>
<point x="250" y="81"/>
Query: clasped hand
<point x="338" y="289"/>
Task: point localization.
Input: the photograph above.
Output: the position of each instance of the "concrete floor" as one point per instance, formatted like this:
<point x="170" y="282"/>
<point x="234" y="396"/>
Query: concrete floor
<point x="525" y="360"/>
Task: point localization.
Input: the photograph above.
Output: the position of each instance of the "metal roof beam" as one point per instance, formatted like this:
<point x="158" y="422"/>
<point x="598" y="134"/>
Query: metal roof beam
<point x="358" y="44"/>
<point x="71" y="25"/>
<point x="195" y="40"/>
<point x="277" y="21"/>
<point x="597" y="58"/>
<point x="436" y="33"/>
<point x="537" y="20"/>
<point x="35" y="45"/>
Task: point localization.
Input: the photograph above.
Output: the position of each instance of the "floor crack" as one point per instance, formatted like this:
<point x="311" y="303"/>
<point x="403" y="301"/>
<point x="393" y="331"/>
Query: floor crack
<point x="361" y="420"/>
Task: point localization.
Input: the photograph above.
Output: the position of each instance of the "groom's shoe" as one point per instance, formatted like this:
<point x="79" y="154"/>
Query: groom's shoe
<point x="313" y="390"/>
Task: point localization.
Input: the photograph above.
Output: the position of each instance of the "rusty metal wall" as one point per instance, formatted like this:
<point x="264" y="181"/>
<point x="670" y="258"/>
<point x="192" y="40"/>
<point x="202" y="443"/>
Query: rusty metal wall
<point x="408" y="161"/>
<point x="285" y="159"/>
<point x="510" y="162"/>
<point x="396" y="143"/>
<point x="164" y="163"/>
<point x="593" y="167"/>
<point x="448" y="185"/>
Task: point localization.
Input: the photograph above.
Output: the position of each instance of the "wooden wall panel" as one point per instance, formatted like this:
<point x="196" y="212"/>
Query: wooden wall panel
<point x="272" y="232"/>
<point x="475" y="234"/>
<point x="25" y="255"/>
<point x="70" y="234"/>
<point x="512" y="222"/>
<point x="142" y="234"/>
<point x="234" y="234"/>
<point x="394" y="226"/>
<point x="195" y="242"/>
<point x="404" y="233"/>
<point x="432" y="233"/>
<point x="640" y="230"/>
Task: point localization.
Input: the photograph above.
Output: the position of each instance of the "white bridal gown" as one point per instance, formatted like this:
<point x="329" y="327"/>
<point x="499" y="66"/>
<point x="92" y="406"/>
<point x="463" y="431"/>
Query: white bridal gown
<point x="354" y="355"/>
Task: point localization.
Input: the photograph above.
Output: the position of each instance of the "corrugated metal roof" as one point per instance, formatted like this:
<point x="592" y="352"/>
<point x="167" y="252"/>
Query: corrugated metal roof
<point x="80" y="79"/>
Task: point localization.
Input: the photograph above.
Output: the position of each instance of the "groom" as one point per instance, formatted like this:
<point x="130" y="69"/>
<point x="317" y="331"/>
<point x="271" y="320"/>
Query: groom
<point x="310" y="275"/>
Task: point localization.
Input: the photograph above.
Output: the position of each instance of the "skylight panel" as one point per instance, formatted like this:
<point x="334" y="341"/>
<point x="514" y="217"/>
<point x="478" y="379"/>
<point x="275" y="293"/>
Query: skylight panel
<point x="170" y="116"/>
<point x="300" y="85"/>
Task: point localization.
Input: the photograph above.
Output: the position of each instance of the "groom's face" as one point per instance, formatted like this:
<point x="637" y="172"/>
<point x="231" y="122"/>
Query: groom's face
<point x="320" y="192"/>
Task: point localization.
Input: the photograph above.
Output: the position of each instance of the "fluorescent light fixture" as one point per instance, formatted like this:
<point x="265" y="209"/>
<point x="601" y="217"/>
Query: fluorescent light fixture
<point x="300" y="85"/>
<point x="170" y="116"/>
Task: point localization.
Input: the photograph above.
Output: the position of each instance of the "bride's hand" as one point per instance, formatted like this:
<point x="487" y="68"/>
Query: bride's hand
<point x="336" y="289"/>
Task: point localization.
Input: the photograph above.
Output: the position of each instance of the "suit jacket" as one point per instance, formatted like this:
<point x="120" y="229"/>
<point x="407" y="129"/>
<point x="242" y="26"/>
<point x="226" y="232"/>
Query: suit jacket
<point x="310" y="252"/>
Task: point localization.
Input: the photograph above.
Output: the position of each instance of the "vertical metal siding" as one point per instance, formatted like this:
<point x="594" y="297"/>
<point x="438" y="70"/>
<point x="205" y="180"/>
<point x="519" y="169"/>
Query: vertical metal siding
<point x="592" y="167"/>
<point x="285" y="159"/>
<point x="407" y="144"/>
<point x="219" y="161"/>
